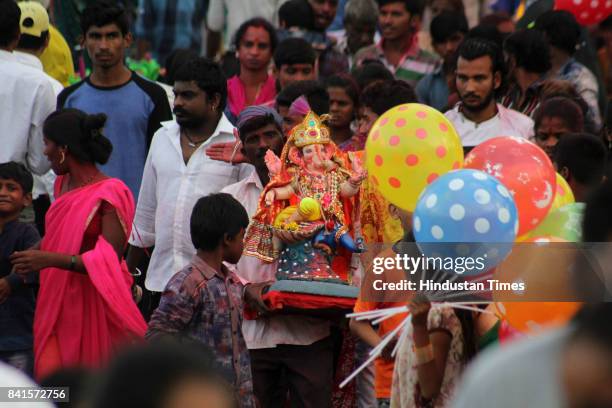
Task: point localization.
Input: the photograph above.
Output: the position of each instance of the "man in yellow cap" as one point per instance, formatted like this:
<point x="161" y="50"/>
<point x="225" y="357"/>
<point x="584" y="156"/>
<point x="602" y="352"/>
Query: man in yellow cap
<point x="56" y="57"/>
<point x="34" y="40"/>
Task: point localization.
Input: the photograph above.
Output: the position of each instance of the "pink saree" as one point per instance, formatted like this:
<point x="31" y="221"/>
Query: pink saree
<point x="236" y="97"/>
<point x="81" y="318"/>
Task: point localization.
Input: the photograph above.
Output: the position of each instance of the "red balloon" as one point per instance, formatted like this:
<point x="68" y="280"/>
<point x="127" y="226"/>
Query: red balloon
<point x="587" y="12"/>
<point x="524" y="169"/>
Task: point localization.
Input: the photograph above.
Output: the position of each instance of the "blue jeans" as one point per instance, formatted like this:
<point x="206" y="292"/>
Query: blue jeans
<point x="22" y="360"/>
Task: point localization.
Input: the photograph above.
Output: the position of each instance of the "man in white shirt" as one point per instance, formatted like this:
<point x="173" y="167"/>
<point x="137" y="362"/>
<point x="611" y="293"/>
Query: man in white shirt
<point x="26" y="98"/>
<point x="224" y="17"/>
<point x="295" y="348"/>
<point x="177" y="173"/>
<point x="478" y="117"/>
<point x="34" y="39"/>
<point x="32" y="43"/>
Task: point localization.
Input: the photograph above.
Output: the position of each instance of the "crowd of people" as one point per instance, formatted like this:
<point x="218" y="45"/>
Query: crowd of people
<point x="124" y="200"/>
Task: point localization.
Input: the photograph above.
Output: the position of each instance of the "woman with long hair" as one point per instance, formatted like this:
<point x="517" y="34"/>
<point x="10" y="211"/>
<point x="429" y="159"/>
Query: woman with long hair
<point x="84" y="308"/>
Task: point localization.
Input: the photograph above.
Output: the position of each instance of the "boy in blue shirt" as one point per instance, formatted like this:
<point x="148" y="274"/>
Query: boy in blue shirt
<point x="16" y="295"/>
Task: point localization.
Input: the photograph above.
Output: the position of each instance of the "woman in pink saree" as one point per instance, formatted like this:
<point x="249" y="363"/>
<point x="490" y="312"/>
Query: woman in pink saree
<point x="84" y="309"/>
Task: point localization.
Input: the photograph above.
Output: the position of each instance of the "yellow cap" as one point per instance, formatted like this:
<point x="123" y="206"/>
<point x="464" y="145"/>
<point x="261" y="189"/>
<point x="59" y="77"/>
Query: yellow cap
<point x="34" y="18"/>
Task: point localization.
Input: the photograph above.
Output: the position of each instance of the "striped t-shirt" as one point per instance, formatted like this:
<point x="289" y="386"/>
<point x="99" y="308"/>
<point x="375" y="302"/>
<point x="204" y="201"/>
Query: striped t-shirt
<point x="414" y="65"/>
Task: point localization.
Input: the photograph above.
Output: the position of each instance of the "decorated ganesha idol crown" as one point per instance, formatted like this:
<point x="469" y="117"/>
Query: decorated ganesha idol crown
<point x="311" y="131"/>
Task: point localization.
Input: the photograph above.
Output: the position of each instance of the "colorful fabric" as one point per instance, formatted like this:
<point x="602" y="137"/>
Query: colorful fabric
<point x="432" y="89"/>
<point x="205" y="305"/>
<point x="279" y="301"/>
<point x="586" y="85"/>
<point x="345" y="397"/>
<point x="299" y="107"/>
<point x="270" y="331"/>
<point x="405" y="389"/>
<point x="236" y="94"/>
<point x="258" y="239"/>
<point x="353" y="144"/>
<point x="531" y="101"/>
<point x="384" y="367"/>
<point x="169" y="25"/>
<point x="84" y="317"/>
<point x="414" y="64"/>
<point x="377" y="224"/>
<point x="57" y="58"/>
<point x="257" y="111"/>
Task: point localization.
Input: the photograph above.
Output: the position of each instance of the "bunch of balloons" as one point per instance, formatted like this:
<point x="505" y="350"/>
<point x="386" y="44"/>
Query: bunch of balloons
<point x="506" y="190"/>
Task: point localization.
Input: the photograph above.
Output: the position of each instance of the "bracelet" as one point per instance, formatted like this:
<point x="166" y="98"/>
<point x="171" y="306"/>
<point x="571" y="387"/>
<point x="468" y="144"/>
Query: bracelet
<point x="424" y="354"/>
<point x="72" y="263"/>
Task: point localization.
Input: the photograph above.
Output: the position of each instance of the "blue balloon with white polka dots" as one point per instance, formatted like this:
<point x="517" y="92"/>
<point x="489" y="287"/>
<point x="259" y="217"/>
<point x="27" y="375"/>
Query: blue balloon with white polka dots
<point x="466" y="214"/>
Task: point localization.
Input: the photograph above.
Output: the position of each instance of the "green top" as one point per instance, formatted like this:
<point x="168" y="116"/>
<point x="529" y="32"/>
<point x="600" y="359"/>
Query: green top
<point x="491" y="337"/>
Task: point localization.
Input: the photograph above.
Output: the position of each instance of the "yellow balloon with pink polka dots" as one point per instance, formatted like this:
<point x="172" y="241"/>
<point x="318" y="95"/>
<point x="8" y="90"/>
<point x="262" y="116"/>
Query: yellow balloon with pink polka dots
<point x="408" y="147"/>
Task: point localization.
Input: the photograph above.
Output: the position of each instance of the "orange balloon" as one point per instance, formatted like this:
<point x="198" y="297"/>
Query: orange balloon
<point x="531" y="317"/>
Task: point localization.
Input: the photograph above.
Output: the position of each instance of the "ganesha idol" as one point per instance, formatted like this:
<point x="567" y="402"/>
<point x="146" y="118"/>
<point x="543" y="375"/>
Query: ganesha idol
<point x="303" y="221"/>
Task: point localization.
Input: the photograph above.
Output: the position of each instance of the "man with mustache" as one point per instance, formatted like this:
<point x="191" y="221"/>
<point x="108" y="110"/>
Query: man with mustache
<point x="399" y="51"/>
<point x="178" y="172"/>
<point x="477" y="117"/>
<point x="134" y="106"/>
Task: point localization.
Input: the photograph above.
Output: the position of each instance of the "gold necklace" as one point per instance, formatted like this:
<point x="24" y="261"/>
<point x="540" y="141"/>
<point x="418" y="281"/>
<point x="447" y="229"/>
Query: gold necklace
<point x="190" y="141"/>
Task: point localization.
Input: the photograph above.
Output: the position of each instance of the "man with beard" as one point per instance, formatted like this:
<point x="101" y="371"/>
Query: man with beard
<point x="134" y="106"/>
<point x="399" y="50"/>
<point x="178" y="172"/>
<point x="477" y="117"/>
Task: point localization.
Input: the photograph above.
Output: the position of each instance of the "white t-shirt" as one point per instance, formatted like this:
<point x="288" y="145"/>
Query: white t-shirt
<point x="523" y="374"/>
<point x="239" y="11"/>
<point x="506" y="122"/>
<point x="11" y="377"/>
<point x="169" y="190"/>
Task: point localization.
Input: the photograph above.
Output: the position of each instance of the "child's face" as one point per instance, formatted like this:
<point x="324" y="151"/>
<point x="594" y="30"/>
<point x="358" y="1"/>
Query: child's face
<point x="12" y="197"/>
<point x="234" y="247"/>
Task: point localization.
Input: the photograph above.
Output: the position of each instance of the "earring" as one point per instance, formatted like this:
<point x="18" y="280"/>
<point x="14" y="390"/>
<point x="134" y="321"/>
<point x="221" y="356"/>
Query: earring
<point x="63" y="159"/>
